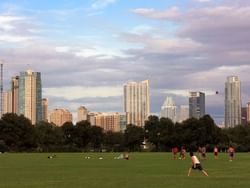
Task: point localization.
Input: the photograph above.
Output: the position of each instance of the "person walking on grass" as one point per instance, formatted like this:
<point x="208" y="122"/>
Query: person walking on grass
<point x="231" y="152"/>
<point x="196" y="165"/>
<point x="216" y="150"/>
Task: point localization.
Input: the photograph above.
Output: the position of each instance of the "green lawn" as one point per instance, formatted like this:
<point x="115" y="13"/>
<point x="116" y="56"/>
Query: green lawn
<point x="143" y="170"/>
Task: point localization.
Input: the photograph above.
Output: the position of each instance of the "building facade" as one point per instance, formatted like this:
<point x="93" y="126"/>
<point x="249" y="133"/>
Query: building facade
<point x="15" y="94"/>
<point x="45" y="104"/>
<point x="82" y="114"/>
<point x="136" y="102"/>
<point x="168" y="109"/>
<point x="60" y="116"/>
<point x="30" y="95"/>
<point x="248" y="112"/>
<point x="7" y="102"/>
<point x="183" y="113"/>
<point x="196" y="104"/>
<point x="108" y="121"/>
<point x="232" y="101"/>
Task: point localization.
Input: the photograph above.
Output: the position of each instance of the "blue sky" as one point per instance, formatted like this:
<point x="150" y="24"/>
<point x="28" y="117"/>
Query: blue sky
<point x="86" y="50"/>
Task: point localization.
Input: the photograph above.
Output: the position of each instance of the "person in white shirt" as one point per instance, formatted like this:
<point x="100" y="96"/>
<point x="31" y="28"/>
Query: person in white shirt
<point x="196" y="165"/>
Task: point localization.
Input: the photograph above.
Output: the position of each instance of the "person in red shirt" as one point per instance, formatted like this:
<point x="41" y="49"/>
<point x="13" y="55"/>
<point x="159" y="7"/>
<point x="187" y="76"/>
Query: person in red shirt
<point x="174" y="152"/>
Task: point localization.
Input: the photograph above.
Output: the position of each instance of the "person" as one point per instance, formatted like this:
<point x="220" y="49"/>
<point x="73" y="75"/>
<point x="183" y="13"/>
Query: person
<point x="231" y="152"/>
<point x="174" y="151"/>
<point x="126" y="156"/>
<point x="183" y="153"/>
<point x="216" y="152"/>
<point x="196" y="165"/>
<point x="203" y="153"/>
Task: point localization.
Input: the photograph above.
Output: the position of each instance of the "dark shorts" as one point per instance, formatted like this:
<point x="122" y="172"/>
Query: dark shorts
<point x="197" y="166"/>
<point x="216" y="153"/>
<point x="231" y="154"/>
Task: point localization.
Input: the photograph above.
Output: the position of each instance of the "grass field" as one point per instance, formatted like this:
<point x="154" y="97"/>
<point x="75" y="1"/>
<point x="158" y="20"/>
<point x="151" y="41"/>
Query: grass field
<point x="143" y="170"/>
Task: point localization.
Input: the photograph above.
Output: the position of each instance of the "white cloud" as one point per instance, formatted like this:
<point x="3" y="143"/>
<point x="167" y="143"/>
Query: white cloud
<point x="78" y="92"/>
<point x="62" y="49"/>
<point x="203" y="1"/>
<point x="8" y="22"/>
<point x="172" y="13"/>
<point x="100" y="4"/>
<point x="14" y="39"/>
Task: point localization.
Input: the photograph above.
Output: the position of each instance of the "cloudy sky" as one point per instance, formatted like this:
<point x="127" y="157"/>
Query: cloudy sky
<point x="87" y="49"/>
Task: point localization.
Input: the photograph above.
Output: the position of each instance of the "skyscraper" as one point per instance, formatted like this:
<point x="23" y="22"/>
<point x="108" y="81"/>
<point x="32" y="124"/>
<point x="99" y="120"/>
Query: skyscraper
<point x="15" y="93"/>
<point x="168" y="109"/>
<point x="82" y="114"/>
<point x="7" y="102"/>
<point x="196" y="104"/>
<point x="183" y="113"/>
<point x="45" y="104"/>
<point x="136" y="102"/>
<point x="30" y="95"/>
<point x="248" y="112"/>
<point x="232" y="101"/>
<point x="243" y="115"/>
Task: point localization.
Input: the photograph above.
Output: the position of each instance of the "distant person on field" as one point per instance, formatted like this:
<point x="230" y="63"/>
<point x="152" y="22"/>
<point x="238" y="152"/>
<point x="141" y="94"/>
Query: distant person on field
<point x="174" y="152"/>
<point x="126" y="156"/>
<point x="196" y="165"/>
<point x="183" y="153"/>
<point x="216" y="151"/>
<point x="231" y="153"/>
<point x="203" y="153"/>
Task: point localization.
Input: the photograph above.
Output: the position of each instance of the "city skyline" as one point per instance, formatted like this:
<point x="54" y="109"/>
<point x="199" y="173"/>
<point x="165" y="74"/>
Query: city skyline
<point x="85" y="53"/>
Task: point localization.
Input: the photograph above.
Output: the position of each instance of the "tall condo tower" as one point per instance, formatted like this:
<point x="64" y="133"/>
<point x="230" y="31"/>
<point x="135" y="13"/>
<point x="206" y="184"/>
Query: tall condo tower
<point x="196" y="104"/>
<point x="168" y="109"/>
<point x="45" y="104"/>
<point x="15" y="93"/>
<point x="82" y="114"/>
<point x="248" y="112"/>
<point x="30" y="95"/>
<point x="136" y="102"/>
<point x="232" y="101"/>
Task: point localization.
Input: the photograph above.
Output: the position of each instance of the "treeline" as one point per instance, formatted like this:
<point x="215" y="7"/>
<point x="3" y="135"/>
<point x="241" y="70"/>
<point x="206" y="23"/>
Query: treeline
<point x="18" y="135"/>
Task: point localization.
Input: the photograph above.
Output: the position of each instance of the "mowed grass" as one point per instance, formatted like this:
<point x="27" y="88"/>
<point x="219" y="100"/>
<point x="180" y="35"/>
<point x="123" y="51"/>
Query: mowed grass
<point x="143" y="170"/>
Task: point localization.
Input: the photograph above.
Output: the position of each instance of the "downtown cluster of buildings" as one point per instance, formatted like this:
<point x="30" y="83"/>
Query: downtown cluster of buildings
<point x="25" y="97"/>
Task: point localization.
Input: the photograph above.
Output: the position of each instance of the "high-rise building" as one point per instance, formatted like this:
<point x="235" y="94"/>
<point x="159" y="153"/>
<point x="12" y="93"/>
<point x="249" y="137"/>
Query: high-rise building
<point x="196" y="104"/>
<point x="232" y="102"/>
<point x="248" y="112"/>
<point x="136" y="102"/>
<point x="45" y="104"/>
<point x="183" y="113"/>
<point x="7" y="102"/>
<point x="168" y="109"/>
<point x="243" y="115"/>
<point x="15" y="93"/>
<point x="30" y="95"/>
<point x="91" y="118"/>
<point x="108" y="121"/>
<point x="82" y="114"/>
<point x="60" y="116"/>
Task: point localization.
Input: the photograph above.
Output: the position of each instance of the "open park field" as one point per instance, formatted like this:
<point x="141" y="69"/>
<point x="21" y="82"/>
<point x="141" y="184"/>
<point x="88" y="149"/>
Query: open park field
<point x="143" y="170"/>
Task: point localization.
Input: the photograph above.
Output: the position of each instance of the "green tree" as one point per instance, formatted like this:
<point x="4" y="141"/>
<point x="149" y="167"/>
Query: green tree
<point x="134" y="137"/>
<point x="97" y="137"/>
<point x="114" y="141"/>
<point x="17" y="132"/>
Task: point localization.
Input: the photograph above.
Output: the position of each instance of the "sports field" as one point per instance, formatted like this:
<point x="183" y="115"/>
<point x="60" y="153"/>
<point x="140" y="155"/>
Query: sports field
<point x="143" y="170"/>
